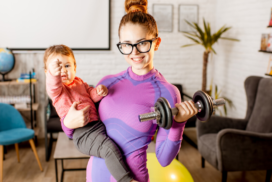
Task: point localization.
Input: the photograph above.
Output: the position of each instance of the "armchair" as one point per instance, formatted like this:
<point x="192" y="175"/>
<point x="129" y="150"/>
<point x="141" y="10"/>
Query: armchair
<point x="231" y="144"/>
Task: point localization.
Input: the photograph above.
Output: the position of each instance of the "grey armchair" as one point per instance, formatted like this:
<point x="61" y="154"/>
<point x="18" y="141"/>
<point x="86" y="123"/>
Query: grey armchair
<point x="231" y="144"/>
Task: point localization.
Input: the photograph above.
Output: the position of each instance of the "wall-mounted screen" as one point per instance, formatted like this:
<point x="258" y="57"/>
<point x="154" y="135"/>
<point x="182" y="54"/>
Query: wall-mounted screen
<point x="36" y="25"/>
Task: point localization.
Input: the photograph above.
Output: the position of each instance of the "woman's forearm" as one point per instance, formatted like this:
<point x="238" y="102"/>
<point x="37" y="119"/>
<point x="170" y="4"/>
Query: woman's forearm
<point x="168" y="143"/>
<point x="69" y="132"/>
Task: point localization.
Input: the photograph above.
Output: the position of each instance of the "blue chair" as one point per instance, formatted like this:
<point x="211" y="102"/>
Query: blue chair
<point x="13" y="131"/>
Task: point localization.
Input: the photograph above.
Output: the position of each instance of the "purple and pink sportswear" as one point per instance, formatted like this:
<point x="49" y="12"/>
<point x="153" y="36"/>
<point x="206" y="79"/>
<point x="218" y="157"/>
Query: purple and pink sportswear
<point x="130" y="95"/>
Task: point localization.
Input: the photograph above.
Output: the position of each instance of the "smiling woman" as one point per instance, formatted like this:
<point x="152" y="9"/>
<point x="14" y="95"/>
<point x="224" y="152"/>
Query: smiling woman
<point x="131" y="92"/>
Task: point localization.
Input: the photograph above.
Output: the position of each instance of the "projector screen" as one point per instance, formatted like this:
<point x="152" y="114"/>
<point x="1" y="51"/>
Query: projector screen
<point x="38" y="24"/>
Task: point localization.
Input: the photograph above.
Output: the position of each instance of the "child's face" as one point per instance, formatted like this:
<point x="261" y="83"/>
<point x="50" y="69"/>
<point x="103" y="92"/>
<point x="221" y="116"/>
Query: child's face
<point x="141" y="63"/>
<point x="68" y="67"/>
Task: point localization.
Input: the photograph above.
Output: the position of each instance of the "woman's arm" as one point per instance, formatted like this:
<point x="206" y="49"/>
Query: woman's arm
<point x="168" y="141"/>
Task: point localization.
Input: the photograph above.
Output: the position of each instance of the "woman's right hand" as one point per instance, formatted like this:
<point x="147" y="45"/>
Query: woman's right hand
<point x="76" y="118"/>
<point x="186" y="109"/>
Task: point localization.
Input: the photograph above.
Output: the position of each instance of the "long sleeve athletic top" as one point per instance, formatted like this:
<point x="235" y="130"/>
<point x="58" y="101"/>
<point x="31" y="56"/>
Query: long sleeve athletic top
<point x="130" y="95"/>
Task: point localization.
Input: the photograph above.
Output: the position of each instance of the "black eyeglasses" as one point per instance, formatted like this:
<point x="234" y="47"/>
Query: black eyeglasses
<point x="142" y="47"/>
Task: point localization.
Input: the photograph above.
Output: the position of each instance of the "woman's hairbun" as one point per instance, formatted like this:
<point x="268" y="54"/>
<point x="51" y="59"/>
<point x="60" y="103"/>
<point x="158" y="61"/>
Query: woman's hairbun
<point x="137" y="14"/>
<point x="135" y="6"/>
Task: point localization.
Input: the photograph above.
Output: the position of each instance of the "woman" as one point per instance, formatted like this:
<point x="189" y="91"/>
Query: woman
<point x="133" y="92"/>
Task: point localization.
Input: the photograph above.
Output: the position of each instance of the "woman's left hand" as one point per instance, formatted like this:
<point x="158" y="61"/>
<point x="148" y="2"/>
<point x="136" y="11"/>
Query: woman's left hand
<point x="186" y="109"/>
<point x="76" y="118"/>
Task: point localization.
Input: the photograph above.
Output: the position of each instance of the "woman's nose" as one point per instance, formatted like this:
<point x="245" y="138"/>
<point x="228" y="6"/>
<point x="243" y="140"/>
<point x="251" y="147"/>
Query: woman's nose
<point x="134" y="50"/>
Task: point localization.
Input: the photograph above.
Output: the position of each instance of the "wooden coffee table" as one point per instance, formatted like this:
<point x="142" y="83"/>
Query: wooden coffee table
<point x="65" y="150"/>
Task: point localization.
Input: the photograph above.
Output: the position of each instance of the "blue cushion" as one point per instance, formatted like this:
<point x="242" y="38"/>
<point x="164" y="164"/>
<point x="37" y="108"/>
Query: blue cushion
<point x="16" y="135"/>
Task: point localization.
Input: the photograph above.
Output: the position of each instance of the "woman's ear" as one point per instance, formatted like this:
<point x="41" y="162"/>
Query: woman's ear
<point x="158" y="42"/>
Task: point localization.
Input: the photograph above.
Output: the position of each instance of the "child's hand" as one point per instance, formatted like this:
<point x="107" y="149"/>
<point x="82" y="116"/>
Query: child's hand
<point x="55" y="67"/>
<point x="101" y="90"/>
<point x="186" y="109"/>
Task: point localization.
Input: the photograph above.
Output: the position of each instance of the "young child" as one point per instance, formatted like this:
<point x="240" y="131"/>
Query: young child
<point x="64" y="88"/>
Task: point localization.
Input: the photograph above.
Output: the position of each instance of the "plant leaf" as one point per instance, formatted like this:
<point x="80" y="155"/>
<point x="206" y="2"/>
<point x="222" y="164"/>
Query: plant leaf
<point x="193" y="34"/>
<point x="213" y="50"/>
<point x="229" y="101"/>
<point x="220" y="32"/>
<point x="187" y="45"/>
<point x="229" y="39"/>
<point x="207" y="33"/>
<point x="211" y="86"/>
<point x="220" y="112"/>
<point x="225" y="109"/>
<point x="190" y="24"/>
<point x="193" y="39"/>
<point x="217" y="34"/>
<point x="201" y="33"/>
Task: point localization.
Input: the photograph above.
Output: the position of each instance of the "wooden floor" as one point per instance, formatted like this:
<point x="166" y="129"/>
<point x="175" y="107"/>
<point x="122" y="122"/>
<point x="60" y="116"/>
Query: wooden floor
<point x="28" y="171"/>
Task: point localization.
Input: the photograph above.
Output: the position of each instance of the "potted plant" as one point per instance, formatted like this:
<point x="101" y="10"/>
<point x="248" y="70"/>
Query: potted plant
<point x="214" y="93"/>
<point x="207" y="40"/>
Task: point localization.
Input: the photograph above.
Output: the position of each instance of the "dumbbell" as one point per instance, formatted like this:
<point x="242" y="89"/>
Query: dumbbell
<point x="163" y="113"/>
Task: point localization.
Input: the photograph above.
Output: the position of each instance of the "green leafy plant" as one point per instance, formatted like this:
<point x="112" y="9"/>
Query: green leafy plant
<point x="207" y="40"/>
<point x="215" y="94"/>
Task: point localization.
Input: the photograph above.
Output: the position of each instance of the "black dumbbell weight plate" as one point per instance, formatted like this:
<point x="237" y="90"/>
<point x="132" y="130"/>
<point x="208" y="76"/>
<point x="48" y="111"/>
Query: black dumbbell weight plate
<point x="161" y="121"/>
<point x="166" y="114"/>
<point x="207" y="109"/>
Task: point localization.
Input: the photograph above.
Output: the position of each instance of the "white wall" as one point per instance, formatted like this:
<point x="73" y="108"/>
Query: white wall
<point x="237" y="60"/>
<point x="234" y="62"/>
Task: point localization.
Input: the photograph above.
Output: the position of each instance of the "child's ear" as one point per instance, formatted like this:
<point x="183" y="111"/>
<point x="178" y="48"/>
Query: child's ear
<point x="158" y="42"/>
<point x="45" y="70"/>
<point x="75" y="67"/>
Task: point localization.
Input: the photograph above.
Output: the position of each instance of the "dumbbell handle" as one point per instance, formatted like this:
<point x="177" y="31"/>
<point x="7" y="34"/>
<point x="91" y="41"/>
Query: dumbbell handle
<point x="156" y="114"/>
<point x="199" y="106"/>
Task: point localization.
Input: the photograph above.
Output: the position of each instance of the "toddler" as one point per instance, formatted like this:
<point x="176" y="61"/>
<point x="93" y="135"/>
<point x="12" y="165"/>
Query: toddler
<point x="64" y="88"/>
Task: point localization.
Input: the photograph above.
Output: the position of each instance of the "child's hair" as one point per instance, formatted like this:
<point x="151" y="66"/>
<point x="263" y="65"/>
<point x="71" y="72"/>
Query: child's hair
<point x="137" y="13"/>
<point x="58" y="49"/>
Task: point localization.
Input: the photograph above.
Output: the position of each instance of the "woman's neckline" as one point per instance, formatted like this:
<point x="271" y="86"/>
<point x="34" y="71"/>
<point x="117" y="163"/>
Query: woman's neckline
<point x="134" y="76"/>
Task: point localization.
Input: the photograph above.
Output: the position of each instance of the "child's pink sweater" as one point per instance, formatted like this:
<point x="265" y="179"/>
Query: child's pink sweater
<point x="63" y="95"/>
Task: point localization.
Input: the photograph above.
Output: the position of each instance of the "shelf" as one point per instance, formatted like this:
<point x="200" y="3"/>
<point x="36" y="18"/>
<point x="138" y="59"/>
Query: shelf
<point x="265" y="51"/>
<point x="267" y="74"/>
<point x="25" y="101"/>
<point x="14" y="82"/>
<point x="35" y="107"/>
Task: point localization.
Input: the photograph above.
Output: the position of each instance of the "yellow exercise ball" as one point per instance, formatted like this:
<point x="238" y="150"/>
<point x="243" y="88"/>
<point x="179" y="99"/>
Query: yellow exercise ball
<point x="174" y="172"/>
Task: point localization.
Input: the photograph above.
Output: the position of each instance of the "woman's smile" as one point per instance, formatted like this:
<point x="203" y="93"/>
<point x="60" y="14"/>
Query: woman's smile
<point x="138" y="59"/>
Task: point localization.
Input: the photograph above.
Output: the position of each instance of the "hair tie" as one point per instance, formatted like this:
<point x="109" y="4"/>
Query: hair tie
<point x="135" y="10"/>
